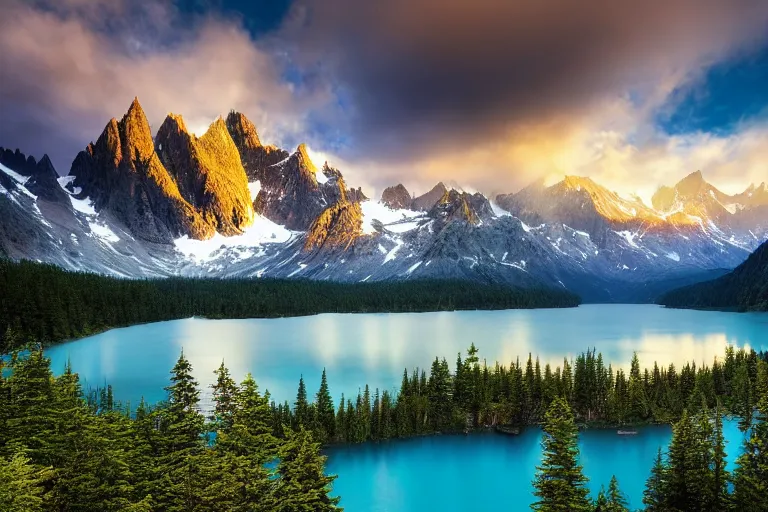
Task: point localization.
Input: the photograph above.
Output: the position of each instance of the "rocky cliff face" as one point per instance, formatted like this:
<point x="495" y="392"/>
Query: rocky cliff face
<point x="18" y="161"/>
<point x="43" y="177"/>
<point x="396" y="197"/>
<point x="337" y="227"/>
<point x="122" y="174"/>
<point x="426" y="201"/>
<point x="255" y="157"/>
<point x="208" y="172"/>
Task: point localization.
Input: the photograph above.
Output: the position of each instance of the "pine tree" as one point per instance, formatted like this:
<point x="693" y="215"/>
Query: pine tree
<point x="616" y="501"/>
<point x="720" y="476"/>
<point x="301" y="407"/>
<point x="182" y="427"/>
<point x="224" y="398"/>
<point x="653" y="495"/>
<point x="688" y="484"/>
<point x="751" y="476"/>
<point x="22" y="485"/>
<point x="325" y="414"/>
<point x="560" y="484"/>
<point x="303" y="484"/>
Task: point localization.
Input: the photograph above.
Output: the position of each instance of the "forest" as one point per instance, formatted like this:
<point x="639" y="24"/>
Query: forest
<point x="744" y="289"/>
<point x="49" y="304"/>
<point x="62" y="448"/>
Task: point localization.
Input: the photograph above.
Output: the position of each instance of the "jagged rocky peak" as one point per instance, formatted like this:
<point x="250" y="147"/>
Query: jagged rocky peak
<point x="461" y="206"/>
<point x="692" y="185"/>
<point x="44" y="182"/>
<point x="243" y="131"/>
<point x="208" y="172"/>
<point x="42" y="175"/>
<point x="123" y="174"/>
<point x="304" y="162"/>
<point x="137" y="136"/>
<point x="18" y="161"/>
<point x="426" y="201"/>
<point x="337" y="227"/>
<point x="255" y="156"/>
<point x="397" y="197"/>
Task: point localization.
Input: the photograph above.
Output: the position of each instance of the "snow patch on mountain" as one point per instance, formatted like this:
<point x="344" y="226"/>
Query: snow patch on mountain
<point x="498" y="211"/>
<point x="262" y="231"/>
<point x="398" y="221"/>
<point x="254" y="187"/>
<point x="102" y="231"/>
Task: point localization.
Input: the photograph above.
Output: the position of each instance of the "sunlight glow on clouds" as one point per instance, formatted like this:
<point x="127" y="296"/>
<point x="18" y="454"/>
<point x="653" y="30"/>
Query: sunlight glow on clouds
<point x="494" y="96"/>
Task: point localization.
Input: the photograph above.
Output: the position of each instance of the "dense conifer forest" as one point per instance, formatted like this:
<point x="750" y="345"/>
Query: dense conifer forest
<point x="744" y="289"/>
<point x="65" y="449"/>
<point x="50" y="304"/>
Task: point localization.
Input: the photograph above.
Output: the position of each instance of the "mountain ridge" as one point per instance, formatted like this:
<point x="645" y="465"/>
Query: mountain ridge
<point x="226" y="205"/>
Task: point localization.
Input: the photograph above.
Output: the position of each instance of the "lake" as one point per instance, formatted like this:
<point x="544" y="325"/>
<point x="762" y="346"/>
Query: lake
<point x="439" y="473"/>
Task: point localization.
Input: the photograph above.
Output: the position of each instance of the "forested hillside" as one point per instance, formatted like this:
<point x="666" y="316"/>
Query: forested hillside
<point x="745" y="289"/>
<point x="50" y="304"/>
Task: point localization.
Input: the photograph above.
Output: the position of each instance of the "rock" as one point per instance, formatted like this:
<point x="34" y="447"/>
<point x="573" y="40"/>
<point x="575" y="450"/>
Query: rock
<point x="461" y="206"/>
<point x="338" y="227"/>
<point x="209" y="173"/>
<point x="18" y="161"/>
<point x="396" y="197"/>
<point x="427" y="201"/>
<point x="122" y="174"/>
<point x="255" y="157"/>
<point x="44" y="182"/>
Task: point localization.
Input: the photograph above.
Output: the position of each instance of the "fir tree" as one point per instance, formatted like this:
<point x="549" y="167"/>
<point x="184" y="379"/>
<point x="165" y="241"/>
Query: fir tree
<point x="303" y="484"/>
<point x="301" y="406"/>
<point x="616" y="501"/>
<point x="653" y="495"/>
<point x="22" y="485"/>
<point x="326" y="417"/>
<point x="751" y="475"/>
<point x="224" y="398"/>
<point x="560" y="484"/>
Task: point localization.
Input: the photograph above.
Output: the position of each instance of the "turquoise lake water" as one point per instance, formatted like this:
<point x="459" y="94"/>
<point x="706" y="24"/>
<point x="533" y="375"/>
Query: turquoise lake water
<point x="444" y="473"/>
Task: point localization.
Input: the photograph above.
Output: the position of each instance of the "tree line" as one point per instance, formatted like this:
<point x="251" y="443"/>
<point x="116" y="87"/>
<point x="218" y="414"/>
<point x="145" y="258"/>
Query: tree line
<point x="744" y="289"/>
<point x="63" y="449"/>
<point x="477" y="395"/>
<point x="50" y="304"/>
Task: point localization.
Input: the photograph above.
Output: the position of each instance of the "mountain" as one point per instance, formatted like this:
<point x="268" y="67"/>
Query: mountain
<point x="209" y="173"/>
<point x="123" y="175"/>
<point x="226" y="205"/>
<point x="426" y="201"/>
<point x="396" y="197"/>
<point x="746" y="288"/>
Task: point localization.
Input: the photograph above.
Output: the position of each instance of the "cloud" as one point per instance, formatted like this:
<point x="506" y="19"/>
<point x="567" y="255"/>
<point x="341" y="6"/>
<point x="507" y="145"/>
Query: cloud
<point x="69" y="67"/>
<point x="494" y="93"/>
<point x="488" y="94"/>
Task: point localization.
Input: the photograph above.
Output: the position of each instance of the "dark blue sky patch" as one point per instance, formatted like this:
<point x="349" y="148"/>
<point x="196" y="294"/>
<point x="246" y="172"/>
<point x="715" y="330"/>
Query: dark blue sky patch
<point x="732" y="92"/>
<point x="257" y="16"/>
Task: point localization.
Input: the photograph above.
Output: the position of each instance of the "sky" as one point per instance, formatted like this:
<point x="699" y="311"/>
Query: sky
<point x="489" y="95"/>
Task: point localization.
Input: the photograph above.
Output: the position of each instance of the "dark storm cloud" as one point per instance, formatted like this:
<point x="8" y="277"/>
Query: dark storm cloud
<point x="422" y="74"/>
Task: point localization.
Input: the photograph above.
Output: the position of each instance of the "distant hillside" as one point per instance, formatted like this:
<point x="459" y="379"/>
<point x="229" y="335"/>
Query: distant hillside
<point x="746" y="288"/>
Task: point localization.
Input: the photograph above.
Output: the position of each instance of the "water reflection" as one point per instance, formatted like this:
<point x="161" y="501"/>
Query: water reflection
<point x="374" y="349"/>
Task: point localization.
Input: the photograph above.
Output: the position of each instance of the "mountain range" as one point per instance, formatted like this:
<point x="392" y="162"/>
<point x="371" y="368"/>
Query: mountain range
<point x="224" y="204"/>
